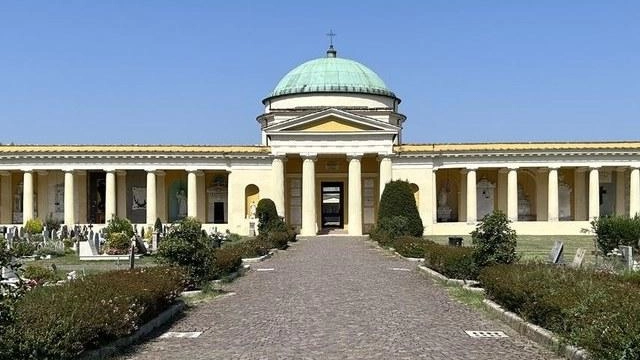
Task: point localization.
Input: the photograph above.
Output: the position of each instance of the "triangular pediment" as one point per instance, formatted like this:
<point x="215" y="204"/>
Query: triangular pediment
<point x="332" y="121"/>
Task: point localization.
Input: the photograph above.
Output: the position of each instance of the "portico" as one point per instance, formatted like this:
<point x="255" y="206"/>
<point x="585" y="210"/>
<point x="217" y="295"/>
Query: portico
<point x="331" y="138"/>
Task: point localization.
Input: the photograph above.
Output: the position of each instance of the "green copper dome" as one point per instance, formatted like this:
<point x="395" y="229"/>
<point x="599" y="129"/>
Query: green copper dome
<point x="331" y="74"/>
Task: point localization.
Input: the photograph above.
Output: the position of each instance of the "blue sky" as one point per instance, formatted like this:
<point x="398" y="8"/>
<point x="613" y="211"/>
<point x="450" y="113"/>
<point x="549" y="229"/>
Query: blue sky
<point x="149" y="72"/>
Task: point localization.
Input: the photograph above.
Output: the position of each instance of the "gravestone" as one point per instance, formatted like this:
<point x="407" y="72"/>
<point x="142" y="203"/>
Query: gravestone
<point x="45" y="234"/>
<point x="155" y="240"/>
<point x="64" y="232"/>
<point x="579" y="258"/>
<point x="9" y="238"/>
<point x="96" y="241"/>
<point x="21" y="232"/>
<point x="555" y="256"/>
<point x="627" y="256"/>
<point x="54" y="235"/>
<point x="8" y="273"/>
<point x="140" y="245"/>
<point x="92" y="246"/>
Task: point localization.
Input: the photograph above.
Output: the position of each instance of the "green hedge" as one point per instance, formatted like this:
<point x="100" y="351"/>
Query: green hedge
<point x="60" y="322"/>
<point x="596" y="311"/>
<point x="397" y="200"/>
<point x="409" y="246"/>
<point x="250" y="248"/>
<point x="451" y="261"/>
<point x="612" y="231"/>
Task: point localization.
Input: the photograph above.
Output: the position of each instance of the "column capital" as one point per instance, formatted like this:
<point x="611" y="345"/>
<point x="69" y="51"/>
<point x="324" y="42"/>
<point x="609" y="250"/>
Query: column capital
<point x="354" y="156"/>
<point x="42" y="172"/>
<point x="553" y="167"/>
<point x="471" y="168"/>
<point x="150" y="170"/>
<point x="279" y="156"/>
<point x="198" y="172"/>
<point x="27" y="170"/>
<point x="594" y="168"/>
<point x="382" y="156"/>
<point x="121" y="172"/>
<point x="309" y="156"/>
<point x="160" y="173"/>
<point x="110" y="170"/>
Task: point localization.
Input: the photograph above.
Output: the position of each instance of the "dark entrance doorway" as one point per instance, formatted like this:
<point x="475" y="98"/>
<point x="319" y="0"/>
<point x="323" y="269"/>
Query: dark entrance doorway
<point x="95" y="191"/>
<point x="332" y="204"/>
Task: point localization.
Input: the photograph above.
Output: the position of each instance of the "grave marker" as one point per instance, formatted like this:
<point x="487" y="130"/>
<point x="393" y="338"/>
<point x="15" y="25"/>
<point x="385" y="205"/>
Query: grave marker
<point x="579" y="258"/>
<point x="555" y="256"/>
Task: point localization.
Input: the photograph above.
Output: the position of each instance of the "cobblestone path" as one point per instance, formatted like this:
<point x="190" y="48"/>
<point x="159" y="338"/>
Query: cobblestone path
<point x="336" y="298"/>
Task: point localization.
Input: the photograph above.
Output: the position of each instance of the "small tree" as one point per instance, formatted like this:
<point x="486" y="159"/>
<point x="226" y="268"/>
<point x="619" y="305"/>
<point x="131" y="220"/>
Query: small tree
<point x="494" y="240"/>
<point x="398" y="200"/>
<point x="612" y="231"/>
<point x="185" y="245"/>
<point x="118" y="225"/>
<point x="267" y="215"/>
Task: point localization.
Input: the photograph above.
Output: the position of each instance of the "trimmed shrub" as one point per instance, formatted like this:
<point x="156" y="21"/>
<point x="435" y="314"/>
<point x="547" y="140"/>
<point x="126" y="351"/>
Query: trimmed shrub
<point x="227" y="261"/>
<point x="494" y="240"/>
<point x="451" y="261"/>
<point x="397" y="199"/>
<point x="117" y="244"/>
<point x="389" y="228"/>
<point x="413" y="247"/>
<point x="267" y="215"/>
<point x="596" y="311"/>
<point x="60" y="322"/>
<point x="612" y="231"/>
<point x="251" y="248"/>
<point x="33" y="226"/>
<point x="184" y="245"/>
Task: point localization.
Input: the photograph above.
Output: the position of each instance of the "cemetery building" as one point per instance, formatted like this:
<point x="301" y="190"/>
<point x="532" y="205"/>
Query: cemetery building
<point x="331" y="135"/>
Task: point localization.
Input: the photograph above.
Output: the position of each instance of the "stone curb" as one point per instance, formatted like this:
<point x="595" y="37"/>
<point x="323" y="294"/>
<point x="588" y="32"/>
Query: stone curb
<point x="258" y="259"/>
<point x="114" y="347"/>
<point x="467" y="284"/>
<point x="408" y="258"/>
<point x="535" y="333"/>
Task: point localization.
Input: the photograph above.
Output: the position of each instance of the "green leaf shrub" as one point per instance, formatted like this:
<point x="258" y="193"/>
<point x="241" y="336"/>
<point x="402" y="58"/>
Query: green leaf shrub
<point x="33" y="226"/>
<point x="226" y="261"/>
<point x="409" y="246"/>
<point x="494" y="240"/>
<point x="596" y="311"/>
<point x="397" y="200"/>
<point x="118" y="225"/>
<point x="23" y="248"/>
<point x="267" y="215"/>
<point x="118" y="243"/>
<point x="612" y="231"/>
<point x="389" y="228"/>
<point x="251" y="248"/>
<point x="60" y="322"/>
<point x="39" y="274"/>
<point x="186" y="246"/>
<point x="451" y="261"/>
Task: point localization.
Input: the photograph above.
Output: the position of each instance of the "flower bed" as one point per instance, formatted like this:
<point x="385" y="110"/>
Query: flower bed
<point x="60" y="322"/>
<point x="598" y="312"/>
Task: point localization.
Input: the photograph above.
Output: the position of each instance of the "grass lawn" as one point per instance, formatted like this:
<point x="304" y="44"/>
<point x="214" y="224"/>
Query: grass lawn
<point x="533" y="247"/>
<point x="72" y="262"/>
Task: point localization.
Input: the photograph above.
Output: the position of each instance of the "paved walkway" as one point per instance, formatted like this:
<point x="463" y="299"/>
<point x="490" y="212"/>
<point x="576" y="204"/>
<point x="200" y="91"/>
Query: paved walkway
<point x="336" y="298"/>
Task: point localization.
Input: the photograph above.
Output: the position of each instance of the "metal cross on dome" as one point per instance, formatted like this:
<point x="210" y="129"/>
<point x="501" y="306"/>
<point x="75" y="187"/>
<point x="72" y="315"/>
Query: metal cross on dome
<point x="331" y="34"/>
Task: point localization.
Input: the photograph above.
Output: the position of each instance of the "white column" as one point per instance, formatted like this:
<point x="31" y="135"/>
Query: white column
<point x="620" y="188"/>
<point x="69" y="201"/>
<point x="512" y="194"/>
<point x="552" y="200"/>
<point x="121" y="193"/>
<point x="151" y="197"/>
<point x="6" y="198"/>
<point x="277" y="176"/>
<point x="27" y="196"/>
<point x="308" y="196"/>
<point x="386" y="172"/>
<point x="434" y="196"/>
<point x="472" y="200"/>
<point x="580" y="194"/>
<point x="110" y="195"/>
<point x="355" y="195"/>
<point x="192" y="194"/>
<point x="634" y="192"/>
<point x="594" y="193"/>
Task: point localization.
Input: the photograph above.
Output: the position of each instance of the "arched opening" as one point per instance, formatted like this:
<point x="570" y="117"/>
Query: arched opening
<point x="251" y="197"/>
